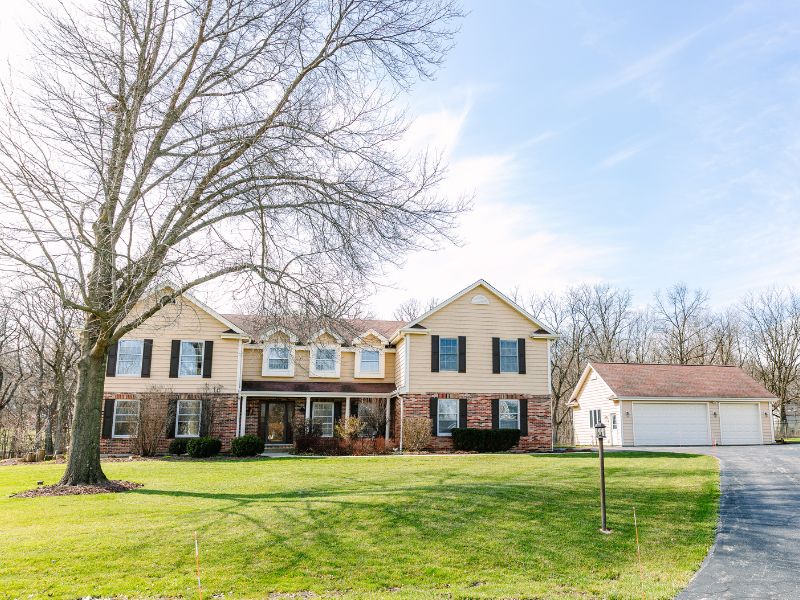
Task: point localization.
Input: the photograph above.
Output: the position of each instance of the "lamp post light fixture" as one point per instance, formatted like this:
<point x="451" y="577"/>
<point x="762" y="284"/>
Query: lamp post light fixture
<point x="600" y="432"/>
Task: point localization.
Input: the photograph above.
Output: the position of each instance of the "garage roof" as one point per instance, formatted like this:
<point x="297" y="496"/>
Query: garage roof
<point x="648" y="380"/>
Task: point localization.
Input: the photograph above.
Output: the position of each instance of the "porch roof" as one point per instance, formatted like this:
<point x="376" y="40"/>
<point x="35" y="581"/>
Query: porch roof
<point x="312" y="387"/>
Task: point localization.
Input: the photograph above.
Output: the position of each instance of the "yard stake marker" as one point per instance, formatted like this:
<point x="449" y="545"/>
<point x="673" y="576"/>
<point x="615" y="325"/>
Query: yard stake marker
<point x="638" y="552"/>
<point x="197" y="563"/>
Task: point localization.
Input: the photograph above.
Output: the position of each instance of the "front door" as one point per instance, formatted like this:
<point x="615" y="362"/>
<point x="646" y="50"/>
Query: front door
<point x="276" y="422"/>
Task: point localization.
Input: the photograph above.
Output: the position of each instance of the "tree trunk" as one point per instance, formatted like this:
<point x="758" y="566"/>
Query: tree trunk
<point x="83" y="464"/>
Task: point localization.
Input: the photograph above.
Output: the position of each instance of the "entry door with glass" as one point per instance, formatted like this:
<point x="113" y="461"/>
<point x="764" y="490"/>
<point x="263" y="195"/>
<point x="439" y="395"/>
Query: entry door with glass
<point x="276" y="427"/>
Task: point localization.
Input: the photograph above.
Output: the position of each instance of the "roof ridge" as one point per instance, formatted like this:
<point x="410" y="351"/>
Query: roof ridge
<point x="655" y="364"/>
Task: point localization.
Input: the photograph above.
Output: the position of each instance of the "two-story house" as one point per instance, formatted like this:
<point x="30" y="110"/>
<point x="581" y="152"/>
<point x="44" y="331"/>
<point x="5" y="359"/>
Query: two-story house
<point x="475" y="360"/>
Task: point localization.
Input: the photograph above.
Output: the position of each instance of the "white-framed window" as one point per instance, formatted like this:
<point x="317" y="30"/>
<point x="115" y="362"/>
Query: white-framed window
<point x="126" y="419"/>
<point x="278" y="360"/>
<point x="322" y="417"/>
<point x="187" y="419"/>
<point x="509" y="356"/>
<point x="447" y="416"/>
<point x="369" y="363"/>
<point x="368" y="412"/>
<point x="448" y="354"/>
<point x="594" y="418"/>
<point x="509" y="414"/>
<point x="129" y="358"/>
<point x="191" y="359"/>
<point x="325" y="361"/>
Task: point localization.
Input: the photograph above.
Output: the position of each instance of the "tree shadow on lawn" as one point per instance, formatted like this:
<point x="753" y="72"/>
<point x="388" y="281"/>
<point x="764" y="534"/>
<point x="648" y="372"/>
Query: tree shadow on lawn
<point x="613" y="453"/>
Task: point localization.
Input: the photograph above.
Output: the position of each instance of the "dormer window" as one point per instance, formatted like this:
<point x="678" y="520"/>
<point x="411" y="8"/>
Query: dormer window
<point x="370" y="361"/>
<point x="278" y="358"/>
<point x="325" y="359"/>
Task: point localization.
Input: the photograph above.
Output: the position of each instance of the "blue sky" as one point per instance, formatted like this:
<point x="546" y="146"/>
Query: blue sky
<point x="637" y="143"/>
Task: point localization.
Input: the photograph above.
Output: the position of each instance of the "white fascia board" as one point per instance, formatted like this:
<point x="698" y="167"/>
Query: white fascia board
<point x="691" y="399"/>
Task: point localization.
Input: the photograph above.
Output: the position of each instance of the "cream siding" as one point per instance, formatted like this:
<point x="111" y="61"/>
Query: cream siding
<point x="766" y="422"/>
<point x="479" y="323"/>
<point x="182" y="321"/>
<point x="594" y="395"/>
<point x="400" y="363"/>
<point x="626" y="409"/>
<point x="713" y="418"/>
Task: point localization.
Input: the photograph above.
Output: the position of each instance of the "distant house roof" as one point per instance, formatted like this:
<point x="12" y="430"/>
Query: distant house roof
<point x="648" y="380"/>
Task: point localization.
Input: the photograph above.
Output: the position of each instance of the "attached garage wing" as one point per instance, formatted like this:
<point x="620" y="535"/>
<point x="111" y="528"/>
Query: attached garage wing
<point x="740" y="423"/>
<point x="671" y="424"/>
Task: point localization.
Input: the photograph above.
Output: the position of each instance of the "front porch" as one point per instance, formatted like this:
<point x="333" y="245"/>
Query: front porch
<point x="276" y="417"/>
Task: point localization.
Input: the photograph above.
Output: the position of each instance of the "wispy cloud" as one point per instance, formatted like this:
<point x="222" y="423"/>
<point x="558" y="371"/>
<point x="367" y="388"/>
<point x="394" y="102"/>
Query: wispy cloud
<point x="620" y="156"/>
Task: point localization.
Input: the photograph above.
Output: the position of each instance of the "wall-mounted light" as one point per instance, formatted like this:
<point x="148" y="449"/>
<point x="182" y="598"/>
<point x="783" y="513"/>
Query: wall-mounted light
<point x="714" y="413"/>
<point x="627" y="413"/>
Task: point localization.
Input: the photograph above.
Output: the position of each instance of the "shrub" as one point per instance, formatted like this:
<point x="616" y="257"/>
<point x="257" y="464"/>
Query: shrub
<point x="416" y="433"/>
<point x="203" y="447"/>
<point x="484" y="440"/>
<point x="247" y="445"/>
<point x="177" y="446"/>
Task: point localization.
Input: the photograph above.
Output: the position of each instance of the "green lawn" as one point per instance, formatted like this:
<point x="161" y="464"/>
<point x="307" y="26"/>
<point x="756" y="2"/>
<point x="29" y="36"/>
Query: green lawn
<point x="464" y="526"/>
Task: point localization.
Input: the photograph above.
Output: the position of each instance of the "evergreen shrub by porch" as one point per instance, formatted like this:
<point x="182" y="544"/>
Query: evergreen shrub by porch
<point x="203" y="447"/>
<point x="247" y="445"/>
<point x="472" y="439"/>
<point x="177" y="446"/>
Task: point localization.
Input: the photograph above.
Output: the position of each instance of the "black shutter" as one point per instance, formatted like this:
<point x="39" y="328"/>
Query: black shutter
<point x="434" y="354"/>
<point x="462" y="412"/>
<point x="462" y="354"/>
<point x="174" y="357"/>
<point x="434" y="413"/>
<point x="354" y="408"/>
<point x="337" y="412"/>
<point x="205" y="416"/>
<point x="172" y="417"/>
<point x="147" y="357"/>
<point x="495" y="413"/>
<point x="523" y="417"/>
<point x="108" y="418"/>
<point x="208" y="358"/>
<point x="111" y="364"/>
<point x="495" y="355"/>
<point x="521" y="355"/>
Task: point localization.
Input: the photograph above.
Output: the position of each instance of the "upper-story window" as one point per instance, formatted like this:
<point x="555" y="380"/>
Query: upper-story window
<point x="278" y="358"/>
<point x="448" y="354"/>
<point x="370" y="361"/>
<point x="129" y="357"/>
<point x="325" y="359"/>
<point x="509" y="356"/>
<point x="191" y="359"/>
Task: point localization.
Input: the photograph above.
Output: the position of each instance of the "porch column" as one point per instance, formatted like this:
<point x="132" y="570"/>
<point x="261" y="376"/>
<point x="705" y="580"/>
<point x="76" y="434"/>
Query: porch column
<point x="308" y="409"/>
<point x="388" y="417"/>
<point x="402" y="418"/>
<point x="347" y="407"/>
<point x="243" y="420"/>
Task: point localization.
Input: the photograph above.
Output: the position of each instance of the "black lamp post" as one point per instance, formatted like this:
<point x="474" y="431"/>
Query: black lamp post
<point x="600" y="432"/>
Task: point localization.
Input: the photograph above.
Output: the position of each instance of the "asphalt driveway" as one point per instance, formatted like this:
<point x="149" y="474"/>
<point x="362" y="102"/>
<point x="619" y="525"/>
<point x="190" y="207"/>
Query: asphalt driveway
<point x="757" y="551"/>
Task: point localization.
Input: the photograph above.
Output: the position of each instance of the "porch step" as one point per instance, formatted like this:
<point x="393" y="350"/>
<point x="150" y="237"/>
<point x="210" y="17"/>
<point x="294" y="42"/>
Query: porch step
<point x="277" y="449"/>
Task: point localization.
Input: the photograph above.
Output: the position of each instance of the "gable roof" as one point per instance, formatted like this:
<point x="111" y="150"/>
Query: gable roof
<point x="651" y="380"/>
<point x="233" y="328"/>
<point x="541" y="329"/>
<point x="255" y="326"/>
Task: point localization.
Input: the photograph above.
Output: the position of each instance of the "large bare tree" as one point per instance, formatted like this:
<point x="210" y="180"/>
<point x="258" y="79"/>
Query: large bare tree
<point x="188" y="140"/>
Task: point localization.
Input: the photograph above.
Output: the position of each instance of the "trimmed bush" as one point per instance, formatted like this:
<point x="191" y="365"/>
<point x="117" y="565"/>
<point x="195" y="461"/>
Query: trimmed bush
<point x="247" y="445"/>
<point x="177" y="446"/>
<point x="416" y="433"/>
<point x="473" y="439"/>
<point x="203" y="447"/>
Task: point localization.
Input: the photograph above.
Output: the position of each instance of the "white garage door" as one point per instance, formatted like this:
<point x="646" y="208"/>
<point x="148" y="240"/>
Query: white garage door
<point x="739" y="423"/>
<point x="675" y="424"/>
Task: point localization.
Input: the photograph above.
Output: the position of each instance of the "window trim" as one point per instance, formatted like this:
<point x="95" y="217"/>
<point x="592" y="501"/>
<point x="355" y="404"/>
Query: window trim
<point x="266" y="371"/>
<point x="380" y="373"/>
<point x="448" y="433"/>
<point x="516" y="354"/>
<point x="519" y="413"/>
<point x="441" y="339"/>
<point x="592" y="421"/>
<point x="202" y="358"/>
<point x="119" y="354"/>
<point x="312" y="363"/>
<point x="178" y="417"/>
<point x="114" y="434"/>
<point x="332" y="417"/>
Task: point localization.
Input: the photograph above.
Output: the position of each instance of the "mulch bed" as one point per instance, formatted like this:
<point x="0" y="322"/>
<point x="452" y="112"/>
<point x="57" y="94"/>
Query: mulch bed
<point x="110" y="487"/>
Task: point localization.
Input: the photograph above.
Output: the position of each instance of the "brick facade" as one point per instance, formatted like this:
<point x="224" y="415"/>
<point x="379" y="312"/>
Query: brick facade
<point x="223" y="425"/>
<point x="479" y="415"/>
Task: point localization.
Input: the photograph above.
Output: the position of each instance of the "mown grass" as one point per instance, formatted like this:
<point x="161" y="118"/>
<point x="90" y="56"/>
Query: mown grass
<point x="401" y="527"/>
